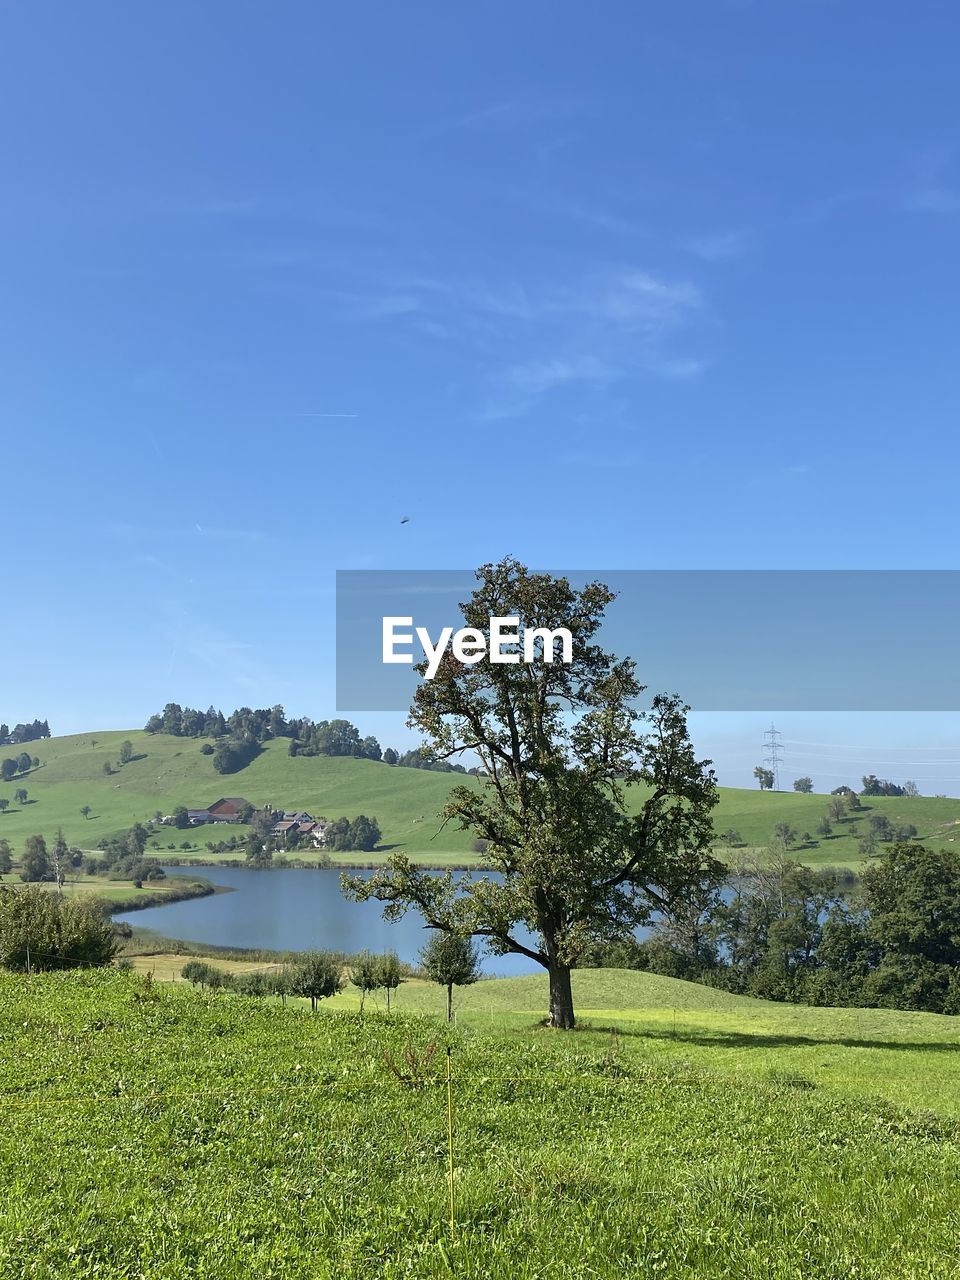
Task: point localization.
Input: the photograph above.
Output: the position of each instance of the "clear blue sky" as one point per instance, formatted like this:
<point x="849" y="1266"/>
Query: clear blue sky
<point x="671" y="285"/>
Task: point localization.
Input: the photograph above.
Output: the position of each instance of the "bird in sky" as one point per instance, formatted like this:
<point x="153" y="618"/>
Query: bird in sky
<point x="404" y="519"/>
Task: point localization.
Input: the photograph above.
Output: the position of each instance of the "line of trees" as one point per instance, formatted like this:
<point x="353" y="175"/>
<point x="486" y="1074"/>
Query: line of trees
<point x="448" y="959"/>
<point x="316" y="975"/>
<point x="871" y="785"/>
<point x="784" y="931"/>
<point x="14" y="765"/>
<point x="23" y="733"/>
<point x="242" y="732"/>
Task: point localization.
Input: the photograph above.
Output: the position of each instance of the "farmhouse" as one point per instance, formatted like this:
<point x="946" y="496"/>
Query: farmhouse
<point x="303" y="826"/>
<point x="228" y="808"/>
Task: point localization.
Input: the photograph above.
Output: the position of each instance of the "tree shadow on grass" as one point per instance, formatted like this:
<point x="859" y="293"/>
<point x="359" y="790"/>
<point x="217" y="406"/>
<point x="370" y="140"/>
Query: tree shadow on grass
<point x="768" y="1040"/>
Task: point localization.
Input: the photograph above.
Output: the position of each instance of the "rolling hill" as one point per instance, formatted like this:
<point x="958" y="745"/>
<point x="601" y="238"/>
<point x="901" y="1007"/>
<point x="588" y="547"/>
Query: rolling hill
<point x="168" y="771"/>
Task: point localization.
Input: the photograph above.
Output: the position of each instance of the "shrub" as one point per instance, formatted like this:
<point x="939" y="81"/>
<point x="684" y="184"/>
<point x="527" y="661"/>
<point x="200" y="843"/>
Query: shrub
<point x="55" y="932"/>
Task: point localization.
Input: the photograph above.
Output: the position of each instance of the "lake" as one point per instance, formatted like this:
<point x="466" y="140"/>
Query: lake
<point x="294" y="909"/>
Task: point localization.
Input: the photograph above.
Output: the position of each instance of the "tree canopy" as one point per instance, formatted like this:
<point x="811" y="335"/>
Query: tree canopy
<point x="560" y="744"/>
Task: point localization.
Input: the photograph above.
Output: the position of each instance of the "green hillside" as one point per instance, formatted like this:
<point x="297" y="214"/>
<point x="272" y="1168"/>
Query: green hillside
<point x="703" y="1140"/>
<point x="168" y="771"/>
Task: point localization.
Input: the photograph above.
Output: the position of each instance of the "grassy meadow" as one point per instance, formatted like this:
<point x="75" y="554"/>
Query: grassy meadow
<point x="169" y="771"/>
<point x="689" y="1135"/>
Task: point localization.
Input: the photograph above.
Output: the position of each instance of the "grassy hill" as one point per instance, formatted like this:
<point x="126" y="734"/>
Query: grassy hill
<point x="157" y="1131"/>
<point x="168" y="771"/>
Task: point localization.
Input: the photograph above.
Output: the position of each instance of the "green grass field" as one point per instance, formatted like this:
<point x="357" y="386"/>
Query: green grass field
<point x="172" y="771"/>
<point x="160" y="1132"/>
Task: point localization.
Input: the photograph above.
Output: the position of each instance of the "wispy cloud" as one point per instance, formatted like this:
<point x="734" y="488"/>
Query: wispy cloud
<point x="717" y="246"/>
<point x="529" y="339"/>
<point x="538" y="376"/>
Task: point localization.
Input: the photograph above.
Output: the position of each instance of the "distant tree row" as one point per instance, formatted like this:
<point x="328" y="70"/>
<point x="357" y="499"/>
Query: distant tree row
<point x="23" y="733"/>
<point x="241" y="734"/>
<point x="872" y="785"/>
<point x="316" y="975"/>
<point x="333" y="738"/>
<point x="244" y="723"/>
<point x="448" y="959"/>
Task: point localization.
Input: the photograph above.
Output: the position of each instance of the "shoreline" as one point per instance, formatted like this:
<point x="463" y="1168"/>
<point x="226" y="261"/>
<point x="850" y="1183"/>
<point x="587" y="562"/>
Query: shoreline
<point x="290" y="864"/>
<point x="200" y="888"/>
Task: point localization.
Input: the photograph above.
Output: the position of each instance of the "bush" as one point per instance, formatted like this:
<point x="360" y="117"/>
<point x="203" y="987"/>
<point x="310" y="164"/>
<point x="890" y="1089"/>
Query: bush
<point x="55" y="932"/>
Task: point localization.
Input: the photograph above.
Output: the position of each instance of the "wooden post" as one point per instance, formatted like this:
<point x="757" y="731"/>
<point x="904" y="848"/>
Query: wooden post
<point x="450" y="1141"/>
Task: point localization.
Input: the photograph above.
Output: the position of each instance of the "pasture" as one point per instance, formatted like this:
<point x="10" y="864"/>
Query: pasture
<point x="161" y="1132"/>
<point x="168" y="771"/>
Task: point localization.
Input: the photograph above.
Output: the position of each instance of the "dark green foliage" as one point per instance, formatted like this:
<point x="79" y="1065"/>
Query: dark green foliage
<point x="559" y="744"/>
<point x="360" y="833"/>
<point x="231" y="754"/>
<point x="451" y="960"/>
<point x="764" y="777"/>
<point x="6" y="858"/>
<point x="317" y="974"/>
<point x="24" y="732"/>
<point x="874" y="786"/>
<point x="803" y="785"/>
<point x="35" y="863"/>
<point x="47" y="931"/>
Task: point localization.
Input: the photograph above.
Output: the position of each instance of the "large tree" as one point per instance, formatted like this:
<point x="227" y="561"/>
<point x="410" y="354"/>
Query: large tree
<point x="595" y="813"/>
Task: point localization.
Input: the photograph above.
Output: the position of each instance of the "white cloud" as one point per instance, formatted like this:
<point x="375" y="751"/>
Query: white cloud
<point x="529" y="340"/>
<point x="538" y="376"/>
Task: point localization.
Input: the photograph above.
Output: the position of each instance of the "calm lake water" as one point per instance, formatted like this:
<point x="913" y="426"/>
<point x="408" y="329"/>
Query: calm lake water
<point x="294" y="909"/>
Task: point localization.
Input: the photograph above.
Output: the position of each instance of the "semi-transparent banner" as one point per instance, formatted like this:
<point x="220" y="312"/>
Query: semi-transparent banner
<point x="725" y="640"/>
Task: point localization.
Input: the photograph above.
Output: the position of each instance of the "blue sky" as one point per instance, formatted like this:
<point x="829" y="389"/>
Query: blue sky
<point x="637" y="286"/>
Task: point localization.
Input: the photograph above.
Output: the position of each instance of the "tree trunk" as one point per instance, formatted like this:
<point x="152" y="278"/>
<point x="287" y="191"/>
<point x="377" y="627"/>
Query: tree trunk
<point x="561" y="997"/>
<point x="449" y="1001"/>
